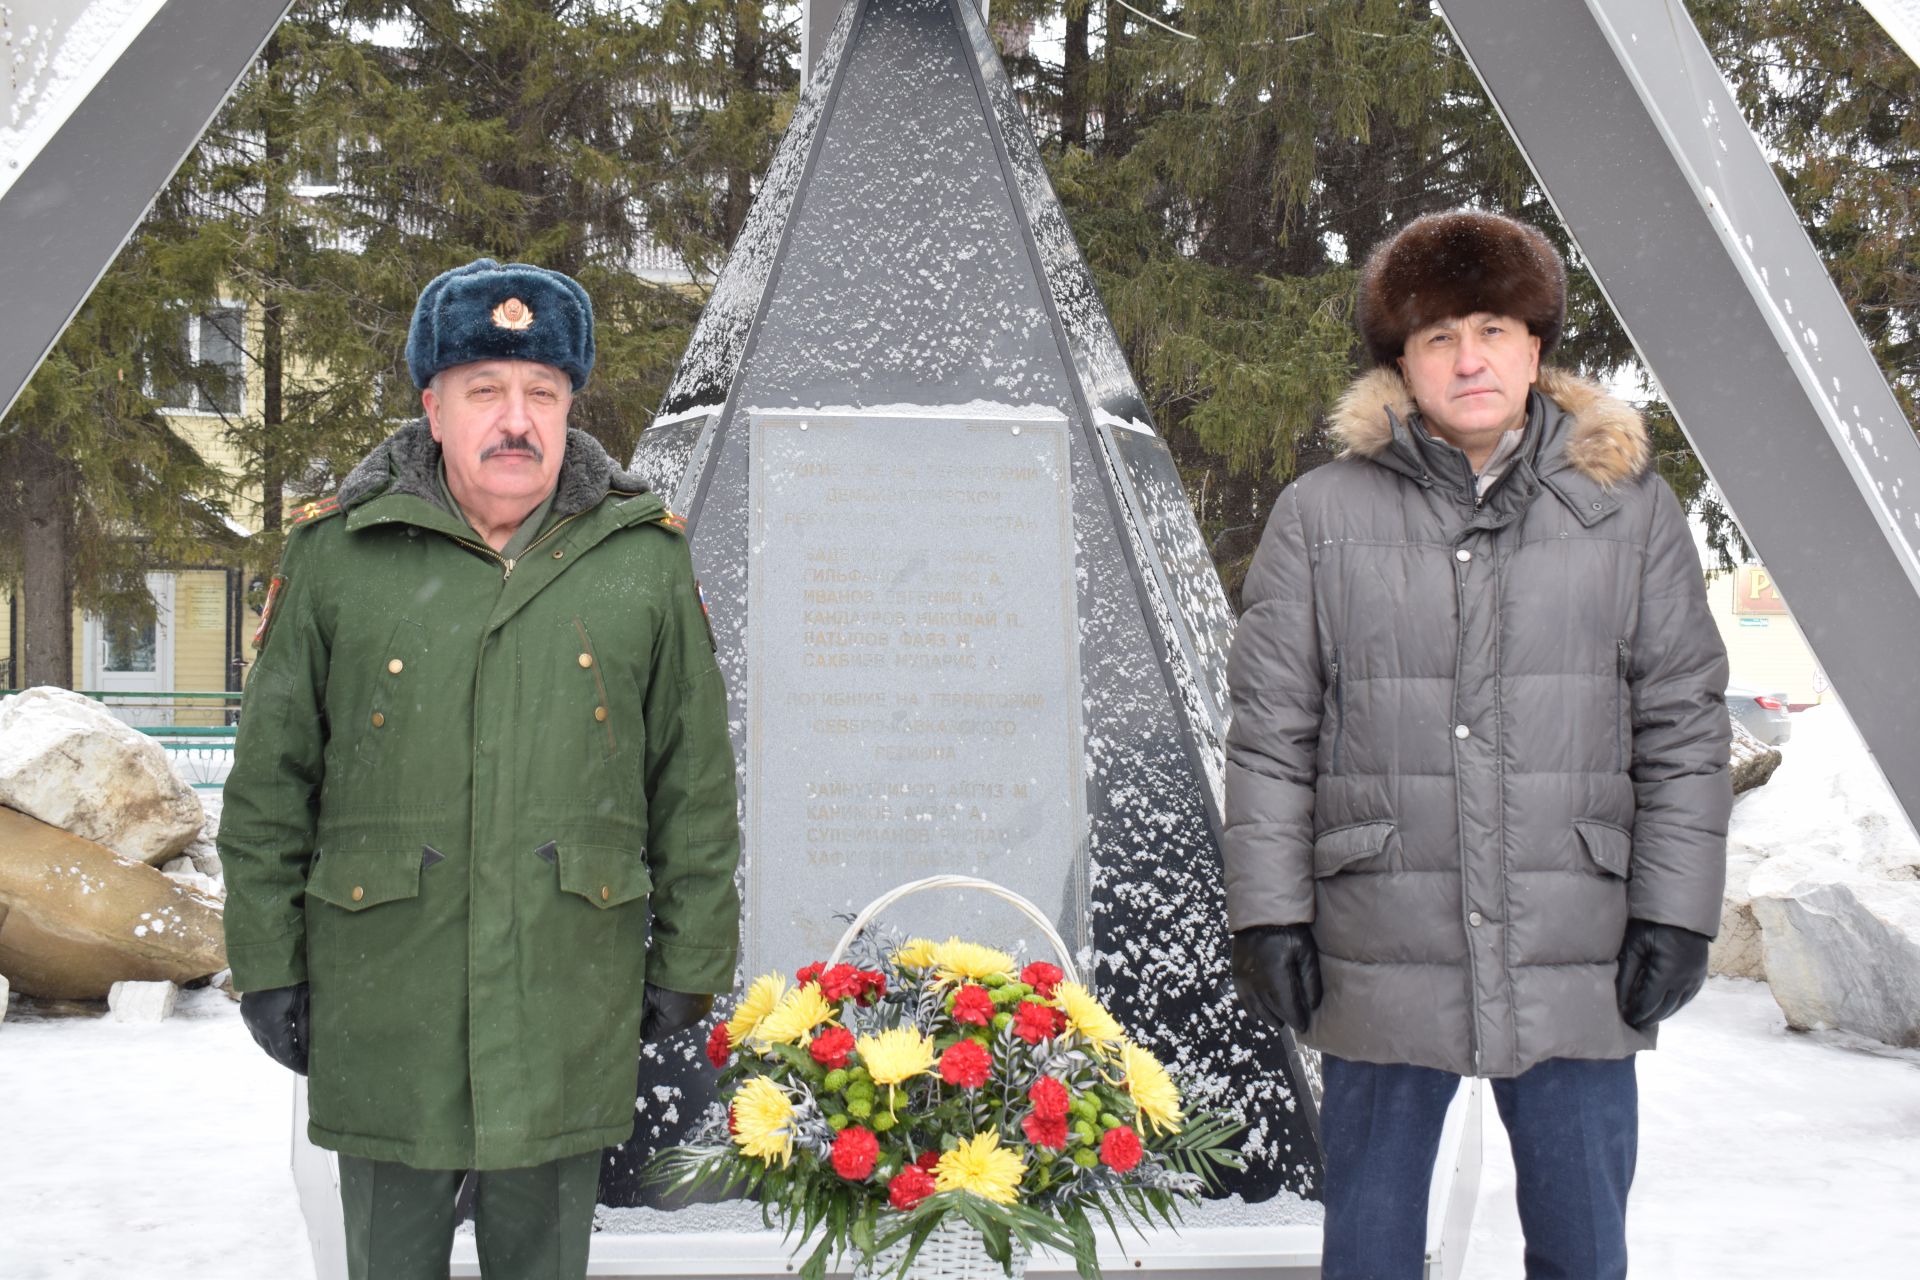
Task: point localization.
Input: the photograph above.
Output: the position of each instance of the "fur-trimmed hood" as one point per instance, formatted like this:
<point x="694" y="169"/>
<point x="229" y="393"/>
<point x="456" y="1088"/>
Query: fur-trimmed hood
<point x="1604" y="440"/>
<point x="408" y="461"/>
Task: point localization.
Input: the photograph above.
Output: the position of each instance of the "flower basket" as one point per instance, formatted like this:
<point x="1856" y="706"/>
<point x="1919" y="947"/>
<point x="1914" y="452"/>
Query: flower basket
<point x="954" y="1251"/>
<point x="938" y="1109"/>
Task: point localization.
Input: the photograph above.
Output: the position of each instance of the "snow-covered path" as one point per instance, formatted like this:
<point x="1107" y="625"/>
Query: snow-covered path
<point x="146" y="1152"/>
<point x="160" y="1153"/>
<point x="1765" y="1154"/>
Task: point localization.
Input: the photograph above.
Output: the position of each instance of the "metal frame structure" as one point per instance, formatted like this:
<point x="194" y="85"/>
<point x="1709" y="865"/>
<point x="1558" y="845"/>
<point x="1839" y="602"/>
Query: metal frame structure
<point x="1628" y="126"/>
<point x="75" y="203"/>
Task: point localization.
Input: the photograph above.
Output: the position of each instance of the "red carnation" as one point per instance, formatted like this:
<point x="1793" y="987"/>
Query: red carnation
<point x="1042" y="977"/>
<point x="909" y="1187"/>
<point x="854" y="1152"/>
<point x="811" y="973"/>
<point x="842" y="982"/>
<point x="1045" y="1131"/>
<point x="1049" y="1098"/>
<point x="831" y="1047"/>
<point x="719" y="1046"/>
<point x="876" y="985"/>
<point x="1034" y="1022"/>
<point x="966" y="1064"/>
<point x="1120" y="1149"/>
<point x="926" y="1160"/>
<point x="973" y="1003"/>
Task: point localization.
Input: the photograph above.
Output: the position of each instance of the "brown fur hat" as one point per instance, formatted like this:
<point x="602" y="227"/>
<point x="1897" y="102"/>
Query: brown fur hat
<point x="1444" y="265"/>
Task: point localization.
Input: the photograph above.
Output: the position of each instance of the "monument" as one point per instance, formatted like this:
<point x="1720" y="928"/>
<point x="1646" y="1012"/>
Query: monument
<point x="965" y="613"/>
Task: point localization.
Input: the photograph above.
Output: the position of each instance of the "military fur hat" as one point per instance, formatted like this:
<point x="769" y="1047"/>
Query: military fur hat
<point x="1445" y="265"/>
<point x="489" y="311"/>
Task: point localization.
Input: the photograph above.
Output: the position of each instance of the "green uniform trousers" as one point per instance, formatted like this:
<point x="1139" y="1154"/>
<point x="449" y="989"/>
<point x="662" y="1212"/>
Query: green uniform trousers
<point x="531" y="1224"/>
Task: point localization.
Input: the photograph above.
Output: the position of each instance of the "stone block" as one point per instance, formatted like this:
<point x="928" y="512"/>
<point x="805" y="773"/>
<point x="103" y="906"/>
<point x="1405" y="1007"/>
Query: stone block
<point x="142" y="1001"/>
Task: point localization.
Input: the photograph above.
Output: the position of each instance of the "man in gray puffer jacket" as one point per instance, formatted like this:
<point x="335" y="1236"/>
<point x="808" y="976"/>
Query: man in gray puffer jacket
<point x="1477" y="783"/>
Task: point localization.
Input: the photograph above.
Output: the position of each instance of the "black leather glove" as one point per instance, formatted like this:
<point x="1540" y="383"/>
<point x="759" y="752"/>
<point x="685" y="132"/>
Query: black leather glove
<point x="1276" y="974"/>
<point x="1662" y="966"/>
<point x="278" y="1020"/>
<point x="669" y="1011"/>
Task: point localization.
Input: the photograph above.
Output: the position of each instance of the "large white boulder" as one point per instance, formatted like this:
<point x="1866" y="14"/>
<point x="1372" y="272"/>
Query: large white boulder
<point x="67" y="761"/>
<point x="1842" y="948"/>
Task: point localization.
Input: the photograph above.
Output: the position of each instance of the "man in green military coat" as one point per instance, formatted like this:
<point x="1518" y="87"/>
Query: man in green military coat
<point x="480" y="834"/>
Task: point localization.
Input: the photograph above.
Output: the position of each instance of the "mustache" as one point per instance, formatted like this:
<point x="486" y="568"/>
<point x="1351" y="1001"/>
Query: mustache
<point x="515" y="444"/>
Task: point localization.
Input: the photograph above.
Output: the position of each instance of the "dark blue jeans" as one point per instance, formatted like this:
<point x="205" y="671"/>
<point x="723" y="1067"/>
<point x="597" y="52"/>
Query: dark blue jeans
<point x="1574" y="1125"/>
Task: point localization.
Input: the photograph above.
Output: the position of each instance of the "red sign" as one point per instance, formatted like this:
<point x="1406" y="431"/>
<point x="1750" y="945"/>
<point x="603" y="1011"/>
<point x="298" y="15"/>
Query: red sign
<point x="1754" y="592"/>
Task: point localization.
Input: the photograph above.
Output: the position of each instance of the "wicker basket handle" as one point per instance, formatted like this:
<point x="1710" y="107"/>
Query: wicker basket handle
<point x="894" y="895"/>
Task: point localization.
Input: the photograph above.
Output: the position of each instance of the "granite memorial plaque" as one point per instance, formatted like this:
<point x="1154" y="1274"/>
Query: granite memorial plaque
<point x="913" y="703"/>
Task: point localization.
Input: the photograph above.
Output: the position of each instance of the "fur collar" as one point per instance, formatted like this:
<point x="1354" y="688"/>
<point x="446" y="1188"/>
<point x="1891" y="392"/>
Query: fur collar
<point x="408" y="462"/>
<point x="1606" y="441"/>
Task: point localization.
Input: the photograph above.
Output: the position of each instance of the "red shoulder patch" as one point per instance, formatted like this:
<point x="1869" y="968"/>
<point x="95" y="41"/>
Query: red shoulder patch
<point x="274" y="589"/>
<point x="315" y="509"/>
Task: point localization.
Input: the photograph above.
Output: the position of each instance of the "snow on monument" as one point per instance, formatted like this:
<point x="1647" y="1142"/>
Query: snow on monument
<point x="965" y="613"/>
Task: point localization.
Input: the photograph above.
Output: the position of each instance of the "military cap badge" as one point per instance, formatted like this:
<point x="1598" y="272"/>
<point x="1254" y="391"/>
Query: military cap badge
<point x="513" y="314"/>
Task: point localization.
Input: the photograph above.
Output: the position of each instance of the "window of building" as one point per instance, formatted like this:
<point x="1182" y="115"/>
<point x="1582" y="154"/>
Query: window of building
<point x="212" y="364"/>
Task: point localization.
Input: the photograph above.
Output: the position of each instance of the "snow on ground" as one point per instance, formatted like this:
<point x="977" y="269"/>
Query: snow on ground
<point x="156" y="1152"/>
<point x="161" y="1152"/>
<point x="1827" y="797"/>
<point x="1765" y="1154"/>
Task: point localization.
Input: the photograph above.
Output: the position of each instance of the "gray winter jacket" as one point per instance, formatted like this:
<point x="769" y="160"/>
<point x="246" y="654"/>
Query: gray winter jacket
<point x="1469" y="741"/>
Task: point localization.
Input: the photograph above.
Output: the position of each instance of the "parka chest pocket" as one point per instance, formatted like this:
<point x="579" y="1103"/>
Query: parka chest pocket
<point x="604" y="875"/>
<point x="360" y="881"/>
<point x="612" y="721"/>
<point x="387" y="683"/>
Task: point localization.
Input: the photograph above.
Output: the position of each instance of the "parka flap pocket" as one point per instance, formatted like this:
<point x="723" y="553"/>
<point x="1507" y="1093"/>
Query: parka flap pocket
<point x="603" y="875"/>
<point x="1337" y="850"/>
<point x="361" y="879"/>
<point x="1610" y="847"/>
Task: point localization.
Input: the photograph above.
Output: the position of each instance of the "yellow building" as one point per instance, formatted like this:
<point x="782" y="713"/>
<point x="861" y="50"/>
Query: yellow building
<point x="1764" y="646"/>
<point x="201" y="636"/>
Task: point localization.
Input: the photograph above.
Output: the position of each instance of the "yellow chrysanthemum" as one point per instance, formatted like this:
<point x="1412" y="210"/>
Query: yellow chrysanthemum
<point x="959" y="961"/>
<point x="895" y="1055"/>
<point x="763" y="1121"/>
<point x="916" y="954"/>
<point x="1151" y="1088"/>
<point x="794" y="1018"/>
<point x="982" y="1166"/>
<point x="1086" y="1015"/>
<point x="760" y="999"/>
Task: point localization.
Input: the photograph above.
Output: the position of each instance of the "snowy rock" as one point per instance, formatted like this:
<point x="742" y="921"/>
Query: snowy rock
<point x="142" y="1001"/>
<point x="202" y="856"/>
<point x="80" y="918"/>
<point x="5" y="989"/>
<point x="1737" y="950"/>
<point x="67" y="761"/>
<point x="1753" y="761"/>
<point x="1842" y="949"/>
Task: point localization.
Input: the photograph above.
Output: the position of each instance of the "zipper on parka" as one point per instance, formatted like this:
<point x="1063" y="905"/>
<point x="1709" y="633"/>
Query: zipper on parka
<point x="1620" y="666"/>
<point x="1339" y="711"/>
<point x="506" y="565"/>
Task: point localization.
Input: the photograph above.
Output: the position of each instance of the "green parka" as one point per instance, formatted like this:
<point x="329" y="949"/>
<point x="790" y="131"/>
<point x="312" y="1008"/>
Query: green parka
<point x="475" y="805"/>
